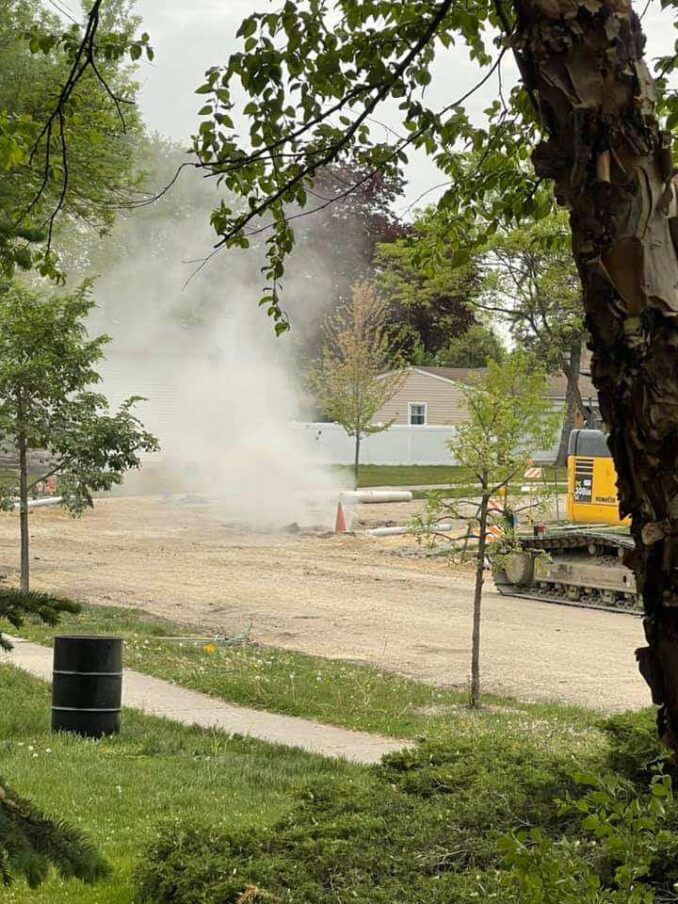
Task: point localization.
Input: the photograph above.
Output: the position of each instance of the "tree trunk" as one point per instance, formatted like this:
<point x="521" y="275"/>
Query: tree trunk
<point x="23" y="515"/>
<point x="356" y="462"/>
<point x="582" y="62"/>
<point x="573" y="402"/>
<point x="474" y="698"/>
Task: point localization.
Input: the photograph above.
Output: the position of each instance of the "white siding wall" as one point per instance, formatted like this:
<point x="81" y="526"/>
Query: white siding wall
<point x="444" y="401"/>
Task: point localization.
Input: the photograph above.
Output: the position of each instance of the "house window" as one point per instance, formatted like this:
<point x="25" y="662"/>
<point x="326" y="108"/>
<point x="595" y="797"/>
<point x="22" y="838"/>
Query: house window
<point x="417" y="413"/>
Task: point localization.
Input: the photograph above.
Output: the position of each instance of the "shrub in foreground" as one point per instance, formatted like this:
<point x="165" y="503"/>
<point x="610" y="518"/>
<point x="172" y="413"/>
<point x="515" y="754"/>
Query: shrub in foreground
<point x="487" y="818"/>
<point x="624" y="849"/>
<point x="30" y="843"/>
<point x="424" y="825"/>
<point x="16" y="606"/>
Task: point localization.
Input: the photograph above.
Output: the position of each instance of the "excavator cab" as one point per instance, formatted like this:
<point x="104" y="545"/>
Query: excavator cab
<point x="591" y="480"/>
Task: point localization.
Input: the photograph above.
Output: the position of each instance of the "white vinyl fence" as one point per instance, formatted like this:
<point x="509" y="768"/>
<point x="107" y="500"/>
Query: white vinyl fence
<point x="401" y="444"/>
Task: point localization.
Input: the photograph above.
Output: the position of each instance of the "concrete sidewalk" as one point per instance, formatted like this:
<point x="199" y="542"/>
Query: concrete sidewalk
<point x="160" y="698"/>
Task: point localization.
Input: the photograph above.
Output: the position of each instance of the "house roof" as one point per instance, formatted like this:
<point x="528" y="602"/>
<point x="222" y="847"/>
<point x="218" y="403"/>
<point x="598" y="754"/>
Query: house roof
<point x="453" y="374"/>
<point x="556" y="382"/>
<point x="558" y="385"/>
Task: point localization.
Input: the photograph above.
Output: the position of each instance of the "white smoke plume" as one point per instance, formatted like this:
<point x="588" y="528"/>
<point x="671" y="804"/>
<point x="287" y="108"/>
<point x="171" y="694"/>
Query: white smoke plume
<point x="223" y="392"/>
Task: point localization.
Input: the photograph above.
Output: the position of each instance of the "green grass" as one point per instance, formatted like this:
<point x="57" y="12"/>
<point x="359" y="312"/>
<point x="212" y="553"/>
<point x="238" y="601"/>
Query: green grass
<point x="426" y="475"/>
<point x="295" y="817"/>
<point x="119" y="790"/>
<point x="353" y="696"/>
<point x="470" y="492"/>
<point x="431" y="475"/>
<point x="436" y="825"/>
<point x="407" y="475"/>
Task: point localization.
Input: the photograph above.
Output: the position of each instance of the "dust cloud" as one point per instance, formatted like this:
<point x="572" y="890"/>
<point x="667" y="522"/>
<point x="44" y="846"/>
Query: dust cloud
<point x="223" y="393"/>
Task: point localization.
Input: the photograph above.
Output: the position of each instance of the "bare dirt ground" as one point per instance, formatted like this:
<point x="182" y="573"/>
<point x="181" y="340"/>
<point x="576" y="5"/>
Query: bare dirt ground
<point x="346" y="597"/>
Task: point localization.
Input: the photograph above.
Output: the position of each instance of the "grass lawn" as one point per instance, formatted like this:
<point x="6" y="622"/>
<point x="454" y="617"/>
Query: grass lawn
<point x="494" y="812"/>
<point x="120" y="790"/>
<point x="352" y="696"/>
<point x="465" y="492"/>
<point x="208" y="817"/>
<point x="407" y="475"/>
<point x="426" y="475"/>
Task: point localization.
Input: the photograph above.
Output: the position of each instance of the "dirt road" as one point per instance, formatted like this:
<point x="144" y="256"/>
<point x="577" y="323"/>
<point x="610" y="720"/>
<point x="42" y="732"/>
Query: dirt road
<point x="345" y="597"/>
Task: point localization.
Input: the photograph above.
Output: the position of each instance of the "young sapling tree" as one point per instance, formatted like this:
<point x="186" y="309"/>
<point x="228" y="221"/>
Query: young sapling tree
<point x="509" y="417"/>
<point x="47" y="404"/>
<point x="357" y="371"/>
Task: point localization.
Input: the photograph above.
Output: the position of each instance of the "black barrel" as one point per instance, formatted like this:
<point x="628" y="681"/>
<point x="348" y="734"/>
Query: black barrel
<point x="87" y="685"/>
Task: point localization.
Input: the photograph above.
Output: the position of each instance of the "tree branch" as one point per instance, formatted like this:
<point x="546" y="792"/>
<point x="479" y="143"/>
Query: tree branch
<point x="310" y="168"/>
<point x="84" y="58"/>
<point x="383" y="91"/>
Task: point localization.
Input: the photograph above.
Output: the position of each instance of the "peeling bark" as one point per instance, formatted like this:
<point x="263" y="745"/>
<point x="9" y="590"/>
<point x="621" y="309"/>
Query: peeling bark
<point x="583" y="61"/>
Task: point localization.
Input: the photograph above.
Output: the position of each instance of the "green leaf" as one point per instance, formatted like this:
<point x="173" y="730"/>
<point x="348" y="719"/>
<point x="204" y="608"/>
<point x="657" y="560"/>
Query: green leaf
<point x="247" y="28"/>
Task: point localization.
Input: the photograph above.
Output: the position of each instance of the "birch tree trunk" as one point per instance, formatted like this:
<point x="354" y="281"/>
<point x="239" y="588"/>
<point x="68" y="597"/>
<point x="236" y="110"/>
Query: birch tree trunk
<point x="582" y="60"/>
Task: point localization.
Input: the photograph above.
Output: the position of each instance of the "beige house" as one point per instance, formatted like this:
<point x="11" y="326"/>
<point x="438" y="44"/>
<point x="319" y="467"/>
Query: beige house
<point x="432" y="396"/>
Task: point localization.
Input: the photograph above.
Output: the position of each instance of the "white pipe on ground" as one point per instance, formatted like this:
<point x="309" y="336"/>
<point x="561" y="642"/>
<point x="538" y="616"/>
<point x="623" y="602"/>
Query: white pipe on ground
<point x="387" y="531"/>
<point x="399" y="531"/>
<point x="40" y="503"/>
<point x="370" y="496"/>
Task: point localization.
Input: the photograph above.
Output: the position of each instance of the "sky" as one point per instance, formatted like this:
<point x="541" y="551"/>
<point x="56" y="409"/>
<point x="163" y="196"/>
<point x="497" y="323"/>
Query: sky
<point x="188" y="36"/>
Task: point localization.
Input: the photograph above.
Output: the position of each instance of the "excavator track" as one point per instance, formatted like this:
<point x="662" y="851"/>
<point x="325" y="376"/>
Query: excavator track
<point x="572" y="567"/>
<point x="581" y="604"/>
<point x="576" y="539"/>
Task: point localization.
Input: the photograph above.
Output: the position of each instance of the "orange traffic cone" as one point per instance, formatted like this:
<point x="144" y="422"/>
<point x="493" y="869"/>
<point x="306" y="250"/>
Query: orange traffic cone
<point x="340" y="523"/>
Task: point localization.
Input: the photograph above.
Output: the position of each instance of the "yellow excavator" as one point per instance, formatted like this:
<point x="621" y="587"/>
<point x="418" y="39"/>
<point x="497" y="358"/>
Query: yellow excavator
<point x="591" y="480"/>
<point x="579" y="562"/>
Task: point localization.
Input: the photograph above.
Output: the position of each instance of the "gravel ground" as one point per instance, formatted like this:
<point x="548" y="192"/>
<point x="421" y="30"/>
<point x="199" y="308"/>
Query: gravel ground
<point x="347" y="597"/>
